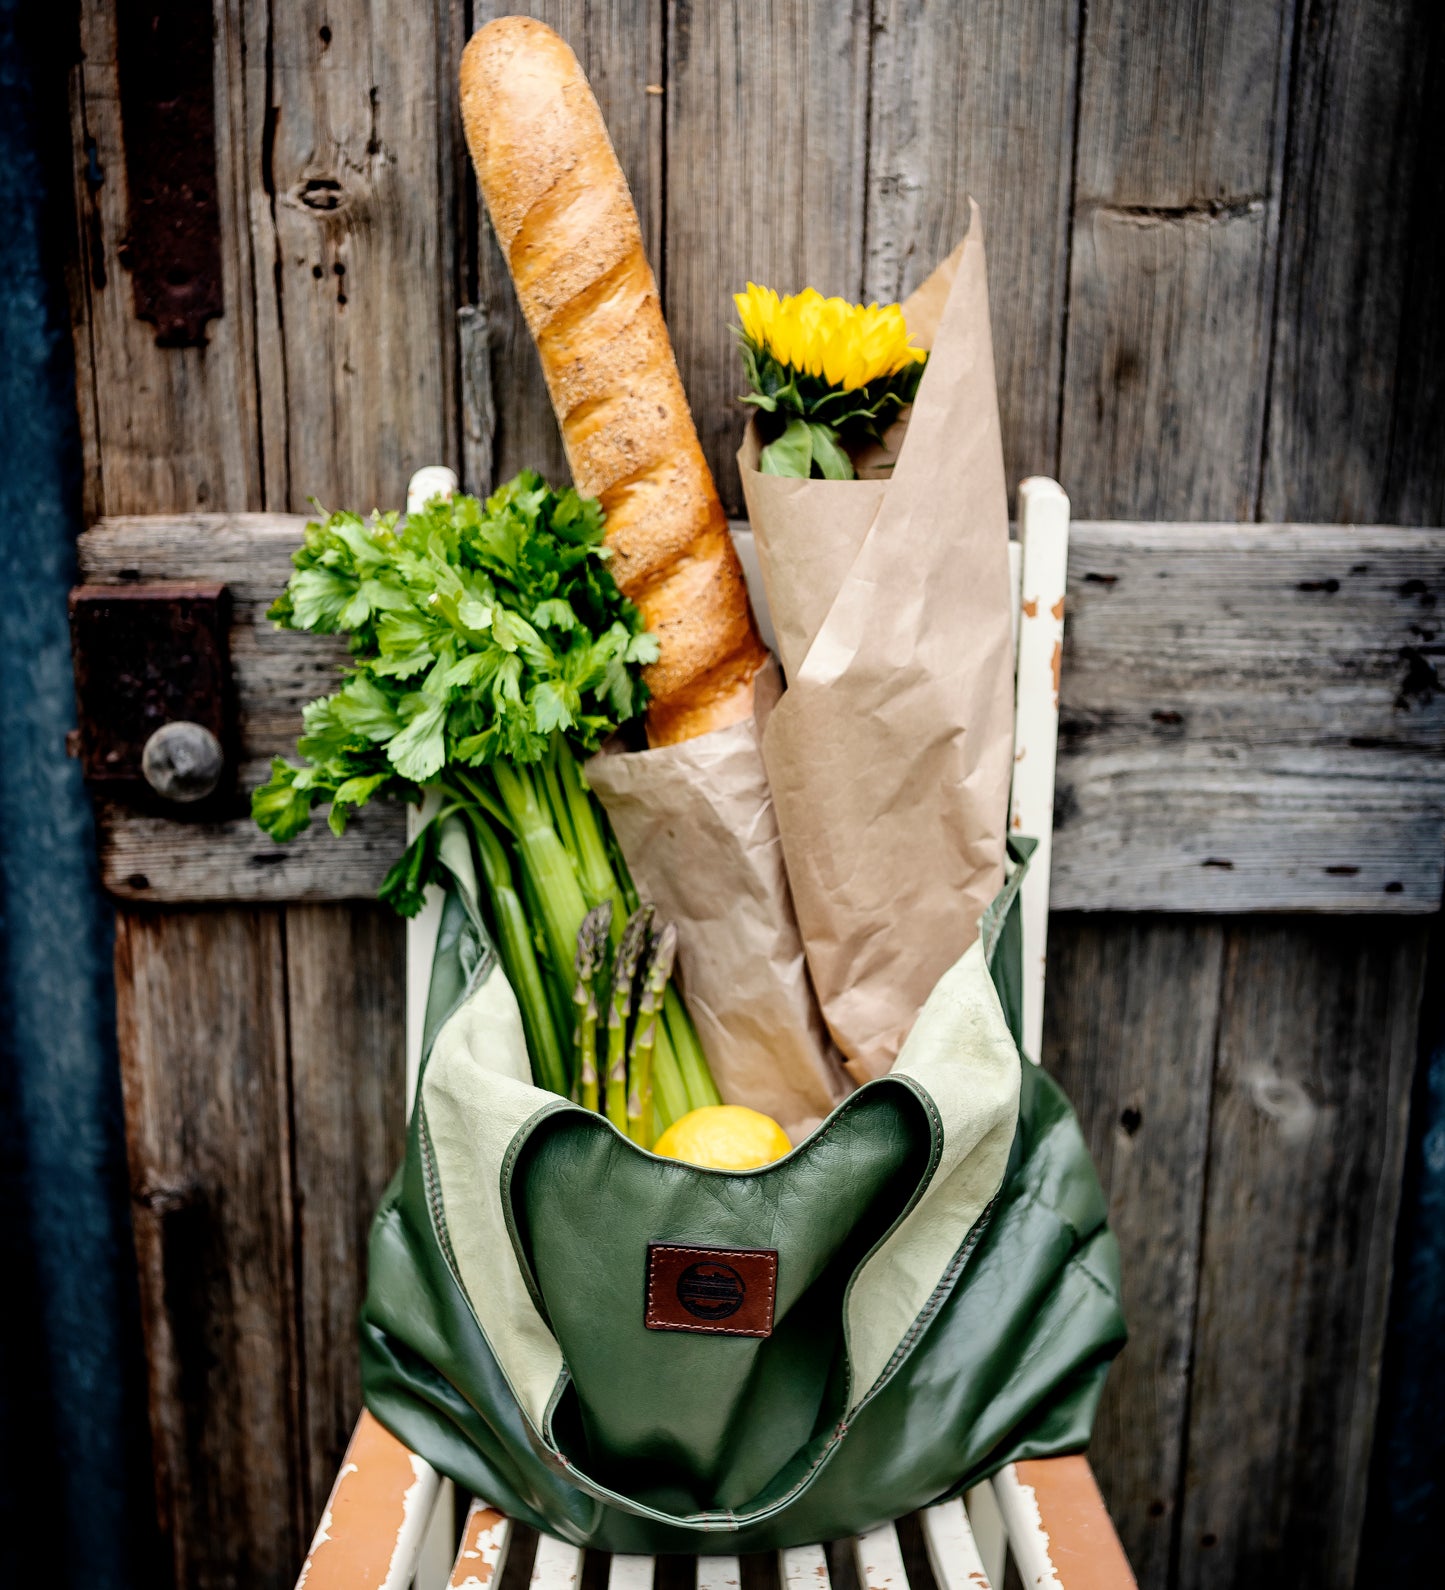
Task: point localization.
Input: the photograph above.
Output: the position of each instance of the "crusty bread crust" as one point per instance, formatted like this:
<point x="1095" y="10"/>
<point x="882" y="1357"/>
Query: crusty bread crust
<point x="569" y="232"/>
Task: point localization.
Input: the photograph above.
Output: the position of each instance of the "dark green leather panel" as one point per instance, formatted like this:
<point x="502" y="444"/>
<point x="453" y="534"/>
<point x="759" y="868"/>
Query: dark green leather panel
<point x="694" y="1422"/>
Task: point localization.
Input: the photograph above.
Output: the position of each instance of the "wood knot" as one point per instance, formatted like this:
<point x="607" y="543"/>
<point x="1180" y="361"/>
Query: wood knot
<point x="323" y="194"/>
<point x="1285" y="1102"/>
<point x="164" y="1195"/>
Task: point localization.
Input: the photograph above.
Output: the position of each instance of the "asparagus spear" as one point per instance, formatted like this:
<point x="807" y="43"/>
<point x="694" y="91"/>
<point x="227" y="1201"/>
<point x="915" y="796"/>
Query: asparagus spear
<point x="661" y="954"/>
<point x="624" y="970"/>
<point x="591" y="956"/>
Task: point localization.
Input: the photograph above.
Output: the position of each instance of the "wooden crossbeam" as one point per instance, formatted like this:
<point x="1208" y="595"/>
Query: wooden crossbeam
<point x="1252" y="719"/>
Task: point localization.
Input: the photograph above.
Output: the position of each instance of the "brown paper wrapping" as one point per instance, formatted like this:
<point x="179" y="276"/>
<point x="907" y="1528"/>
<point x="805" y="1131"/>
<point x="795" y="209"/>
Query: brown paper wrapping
<point x="697" y="826"/>
<point x="889" y="754"/>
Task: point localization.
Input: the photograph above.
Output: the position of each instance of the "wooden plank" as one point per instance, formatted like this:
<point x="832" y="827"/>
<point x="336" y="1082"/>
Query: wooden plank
<point x="1252" y="719"/>
<point x="800" y="1568"/>
<point x="356" y="342"/>
<point x="482" y="1554"/>
<point x="980" y="100"/>
<point x="1172" y="263"/>
<point x="719" y="1573"/>
<point x="344" y="998"/>
<point x="1357" y="407"/>
<point x="1257" y="696"/>
<point x="952" y="1551"/>
<point x="1315" y="1057"/>
<point x="1038" y="646"/>
<point x="507" y="417"/>
<point x="184" y="434"/>
<point x="275" y="674"/>
<point x="1194" y="283"/>
<point x="202" y="1036"/>
<point x="627" y="1572"/>
<point x="985" y="1522"/>
<point x="1060" y="1536"/>
<point x="767" y="108"/>
<point x="557" y="1566"/>
<point x="375" y="1517"/>
<point x="879" y="1560"/>
<point x="1129" y="1033"/>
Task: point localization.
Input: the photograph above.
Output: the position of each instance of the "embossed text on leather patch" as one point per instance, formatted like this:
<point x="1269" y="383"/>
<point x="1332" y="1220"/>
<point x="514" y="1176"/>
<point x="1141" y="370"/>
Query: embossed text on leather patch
<point x="717" y="1291"/>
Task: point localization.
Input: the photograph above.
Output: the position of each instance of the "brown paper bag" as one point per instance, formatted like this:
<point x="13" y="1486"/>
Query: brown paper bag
<point x="889" y="754"/>
<point x="697" y="826"/>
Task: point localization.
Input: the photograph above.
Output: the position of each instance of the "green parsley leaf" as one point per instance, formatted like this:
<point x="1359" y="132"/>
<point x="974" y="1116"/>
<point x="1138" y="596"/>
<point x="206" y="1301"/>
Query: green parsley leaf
<point x="279" y="807"/>
<point x="479" y="631"/>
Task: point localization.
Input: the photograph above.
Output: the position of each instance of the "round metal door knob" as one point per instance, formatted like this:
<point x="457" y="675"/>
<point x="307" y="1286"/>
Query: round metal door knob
<point x="183" y="761"/>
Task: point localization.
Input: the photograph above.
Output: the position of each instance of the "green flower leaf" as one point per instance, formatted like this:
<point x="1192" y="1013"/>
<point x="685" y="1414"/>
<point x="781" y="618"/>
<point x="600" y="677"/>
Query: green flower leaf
<point x="828" y="457"/>
<point x="791" y="454"/>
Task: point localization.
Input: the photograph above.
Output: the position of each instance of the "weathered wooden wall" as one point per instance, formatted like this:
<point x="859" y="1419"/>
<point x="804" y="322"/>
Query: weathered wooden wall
<point x="1212" y="227"/>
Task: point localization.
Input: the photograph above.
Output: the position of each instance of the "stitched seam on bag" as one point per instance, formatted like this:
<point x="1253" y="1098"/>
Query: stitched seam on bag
<point x="1008" y="895"/>
<point x="486" y="960"/>
<point x="520" y="1141"/>
<point x="935" y="1158"/>
<point x="706" y="1330"/>
<point x="1076" y="1263"/>
<point x="1031" y="1195"/>
<point x="434" y="1194"/>
<point x="945" y="1285"/>
<point x="548" y="1447"/>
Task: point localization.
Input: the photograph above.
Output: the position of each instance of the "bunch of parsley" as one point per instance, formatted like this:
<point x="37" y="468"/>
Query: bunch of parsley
<point x="490" y="648"/>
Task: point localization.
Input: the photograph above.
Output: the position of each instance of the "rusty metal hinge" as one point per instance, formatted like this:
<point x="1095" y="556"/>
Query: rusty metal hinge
<point x="172" y="246"/>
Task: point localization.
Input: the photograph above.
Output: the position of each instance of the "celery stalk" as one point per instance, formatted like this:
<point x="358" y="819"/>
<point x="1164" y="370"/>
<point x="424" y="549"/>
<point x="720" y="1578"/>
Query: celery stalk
<point x="519" y="958"/>
<point x="545" y="857"/>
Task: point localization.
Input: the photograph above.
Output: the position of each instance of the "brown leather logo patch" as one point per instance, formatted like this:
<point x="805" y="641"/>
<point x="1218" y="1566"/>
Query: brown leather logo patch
<point x="718" y="1291"/>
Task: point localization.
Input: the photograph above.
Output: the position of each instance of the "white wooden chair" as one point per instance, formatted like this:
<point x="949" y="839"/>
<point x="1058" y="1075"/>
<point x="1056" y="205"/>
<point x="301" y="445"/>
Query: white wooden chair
<point x="391" y="1519"/>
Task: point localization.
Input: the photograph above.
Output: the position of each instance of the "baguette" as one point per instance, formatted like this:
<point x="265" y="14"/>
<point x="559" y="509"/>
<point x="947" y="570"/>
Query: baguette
<point x="569" y="232"/>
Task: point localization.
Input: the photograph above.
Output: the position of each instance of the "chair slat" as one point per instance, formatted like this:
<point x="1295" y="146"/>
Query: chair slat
<point x="879" y="1558"/>
<point x="804" y="1568"/>
<point x="986" y="1523"/>
<point x="631" y="1573"/>
<point x="482" y="1555"/>
<point x="558" y="1565"/>
<point x="1059" y="1531"/>
<point x="376" y="1517"/>
<point x="1039" y="639"/>
<point x="719" y="1573"/>
<point x="952" y="1551"/>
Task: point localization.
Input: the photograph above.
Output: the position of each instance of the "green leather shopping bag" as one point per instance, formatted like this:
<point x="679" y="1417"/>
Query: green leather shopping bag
<point x="645" y="1356"/>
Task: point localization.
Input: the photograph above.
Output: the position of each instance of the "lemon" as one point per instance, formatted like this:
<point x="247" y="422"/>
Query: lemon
<point x="724" y="1137"/>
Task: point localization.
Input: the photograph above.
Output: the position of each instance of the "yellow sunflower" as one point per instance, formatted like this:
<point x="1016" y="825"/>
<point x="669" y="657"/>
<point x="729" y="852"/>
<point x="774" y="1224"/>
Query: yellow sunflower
<point x="826" y="376"/>
<point x="848" y="345"/>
